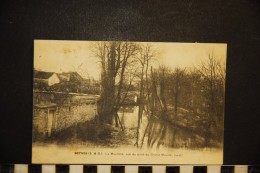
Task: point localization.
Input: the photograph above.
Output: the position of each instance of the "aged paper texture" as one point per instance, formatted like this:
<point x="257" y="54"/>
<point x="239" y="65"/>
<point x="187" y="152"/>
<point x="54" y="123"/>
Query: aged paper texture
<point x="97" y="102"/>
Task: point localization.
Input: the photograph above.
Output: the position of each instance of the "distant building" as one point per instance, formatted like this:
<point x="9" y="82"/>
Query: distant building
<point x="49" y="78"/>
<point x="63" y="77"/>
<point x="70" y="77"/>
<point x="64" y="82"/>
<point x="70" y="82"/>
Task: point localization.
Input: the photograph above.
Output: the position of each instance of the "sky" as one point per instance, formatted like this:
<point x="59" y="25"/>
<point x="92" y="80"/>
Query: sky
<point x="64" y="56"/>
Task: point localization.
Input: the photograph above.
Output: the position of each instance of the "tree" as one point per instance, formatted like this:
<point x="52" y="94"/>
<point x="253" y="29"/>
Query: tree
<point x="177" y="86"/>
<point x="194" y="92"/>
<point x="213" y="87"/>
<point x="156" y="129"/>
<point x="115" y="57"/>
<point x="144" y="59"/>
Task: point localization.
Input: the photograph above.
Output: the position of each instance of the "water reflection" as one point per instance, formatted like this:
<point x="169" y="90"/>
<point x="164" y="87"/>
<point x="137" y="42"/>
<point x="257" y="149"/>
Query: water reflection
<point x="129" y="118"/>
<point x="157" y="133"/>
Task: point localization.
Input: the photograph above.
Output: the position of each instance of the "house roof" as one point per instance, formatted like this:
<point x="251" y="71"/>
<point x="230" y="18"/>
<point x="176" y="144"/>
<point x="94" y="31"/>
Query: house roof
<point x="73" y="76"/>
<point x="42" y="74"/>
<point x="63" y="77"/>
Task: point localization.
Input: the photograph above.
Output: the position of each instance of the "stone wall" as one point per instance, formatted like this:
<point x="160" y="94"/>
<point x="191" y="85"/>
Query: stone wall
<point x="79" y="109"/>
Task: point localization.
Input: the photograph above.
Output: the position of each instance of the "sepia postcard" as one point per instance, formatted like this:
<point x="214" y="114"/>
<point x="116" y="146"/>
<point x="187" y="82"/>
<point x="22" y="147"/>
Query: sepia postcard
<point x="121" y="102"/>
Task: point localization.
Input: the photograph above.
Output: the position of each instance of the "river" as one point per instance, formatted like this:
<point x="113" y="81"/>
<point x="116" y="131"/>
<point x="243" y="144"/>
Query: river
<point x="155" y="133"/>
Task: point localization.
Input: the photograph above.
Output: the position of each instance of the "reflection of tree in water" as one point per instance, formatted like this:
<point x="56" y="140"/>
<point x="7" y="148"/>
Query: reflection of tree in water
<point x="156" y="109"/>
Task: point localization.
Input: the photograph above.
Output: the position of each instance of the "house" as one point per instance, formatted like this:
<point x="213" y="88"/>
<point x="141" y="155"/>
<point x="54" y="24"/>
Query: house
<point x="64" y="82"/>
<point x="72" y="77"/>
<point x="63" y="78"/>
<point x="44" y="81"/>
<point x="50" y="78"/>
<point x="70" y="82"/>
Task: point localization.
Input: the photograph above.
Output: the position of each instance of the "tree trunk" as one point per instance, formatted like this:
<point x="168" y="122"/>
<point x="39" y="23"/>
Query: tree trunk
<point x="106" y="102"/>
<point x="140" y="111"/>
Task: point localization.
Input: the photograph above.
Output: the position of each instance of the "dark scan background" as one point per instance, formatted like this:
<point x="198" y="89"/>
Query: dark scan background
<point x="233" y="22"/>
